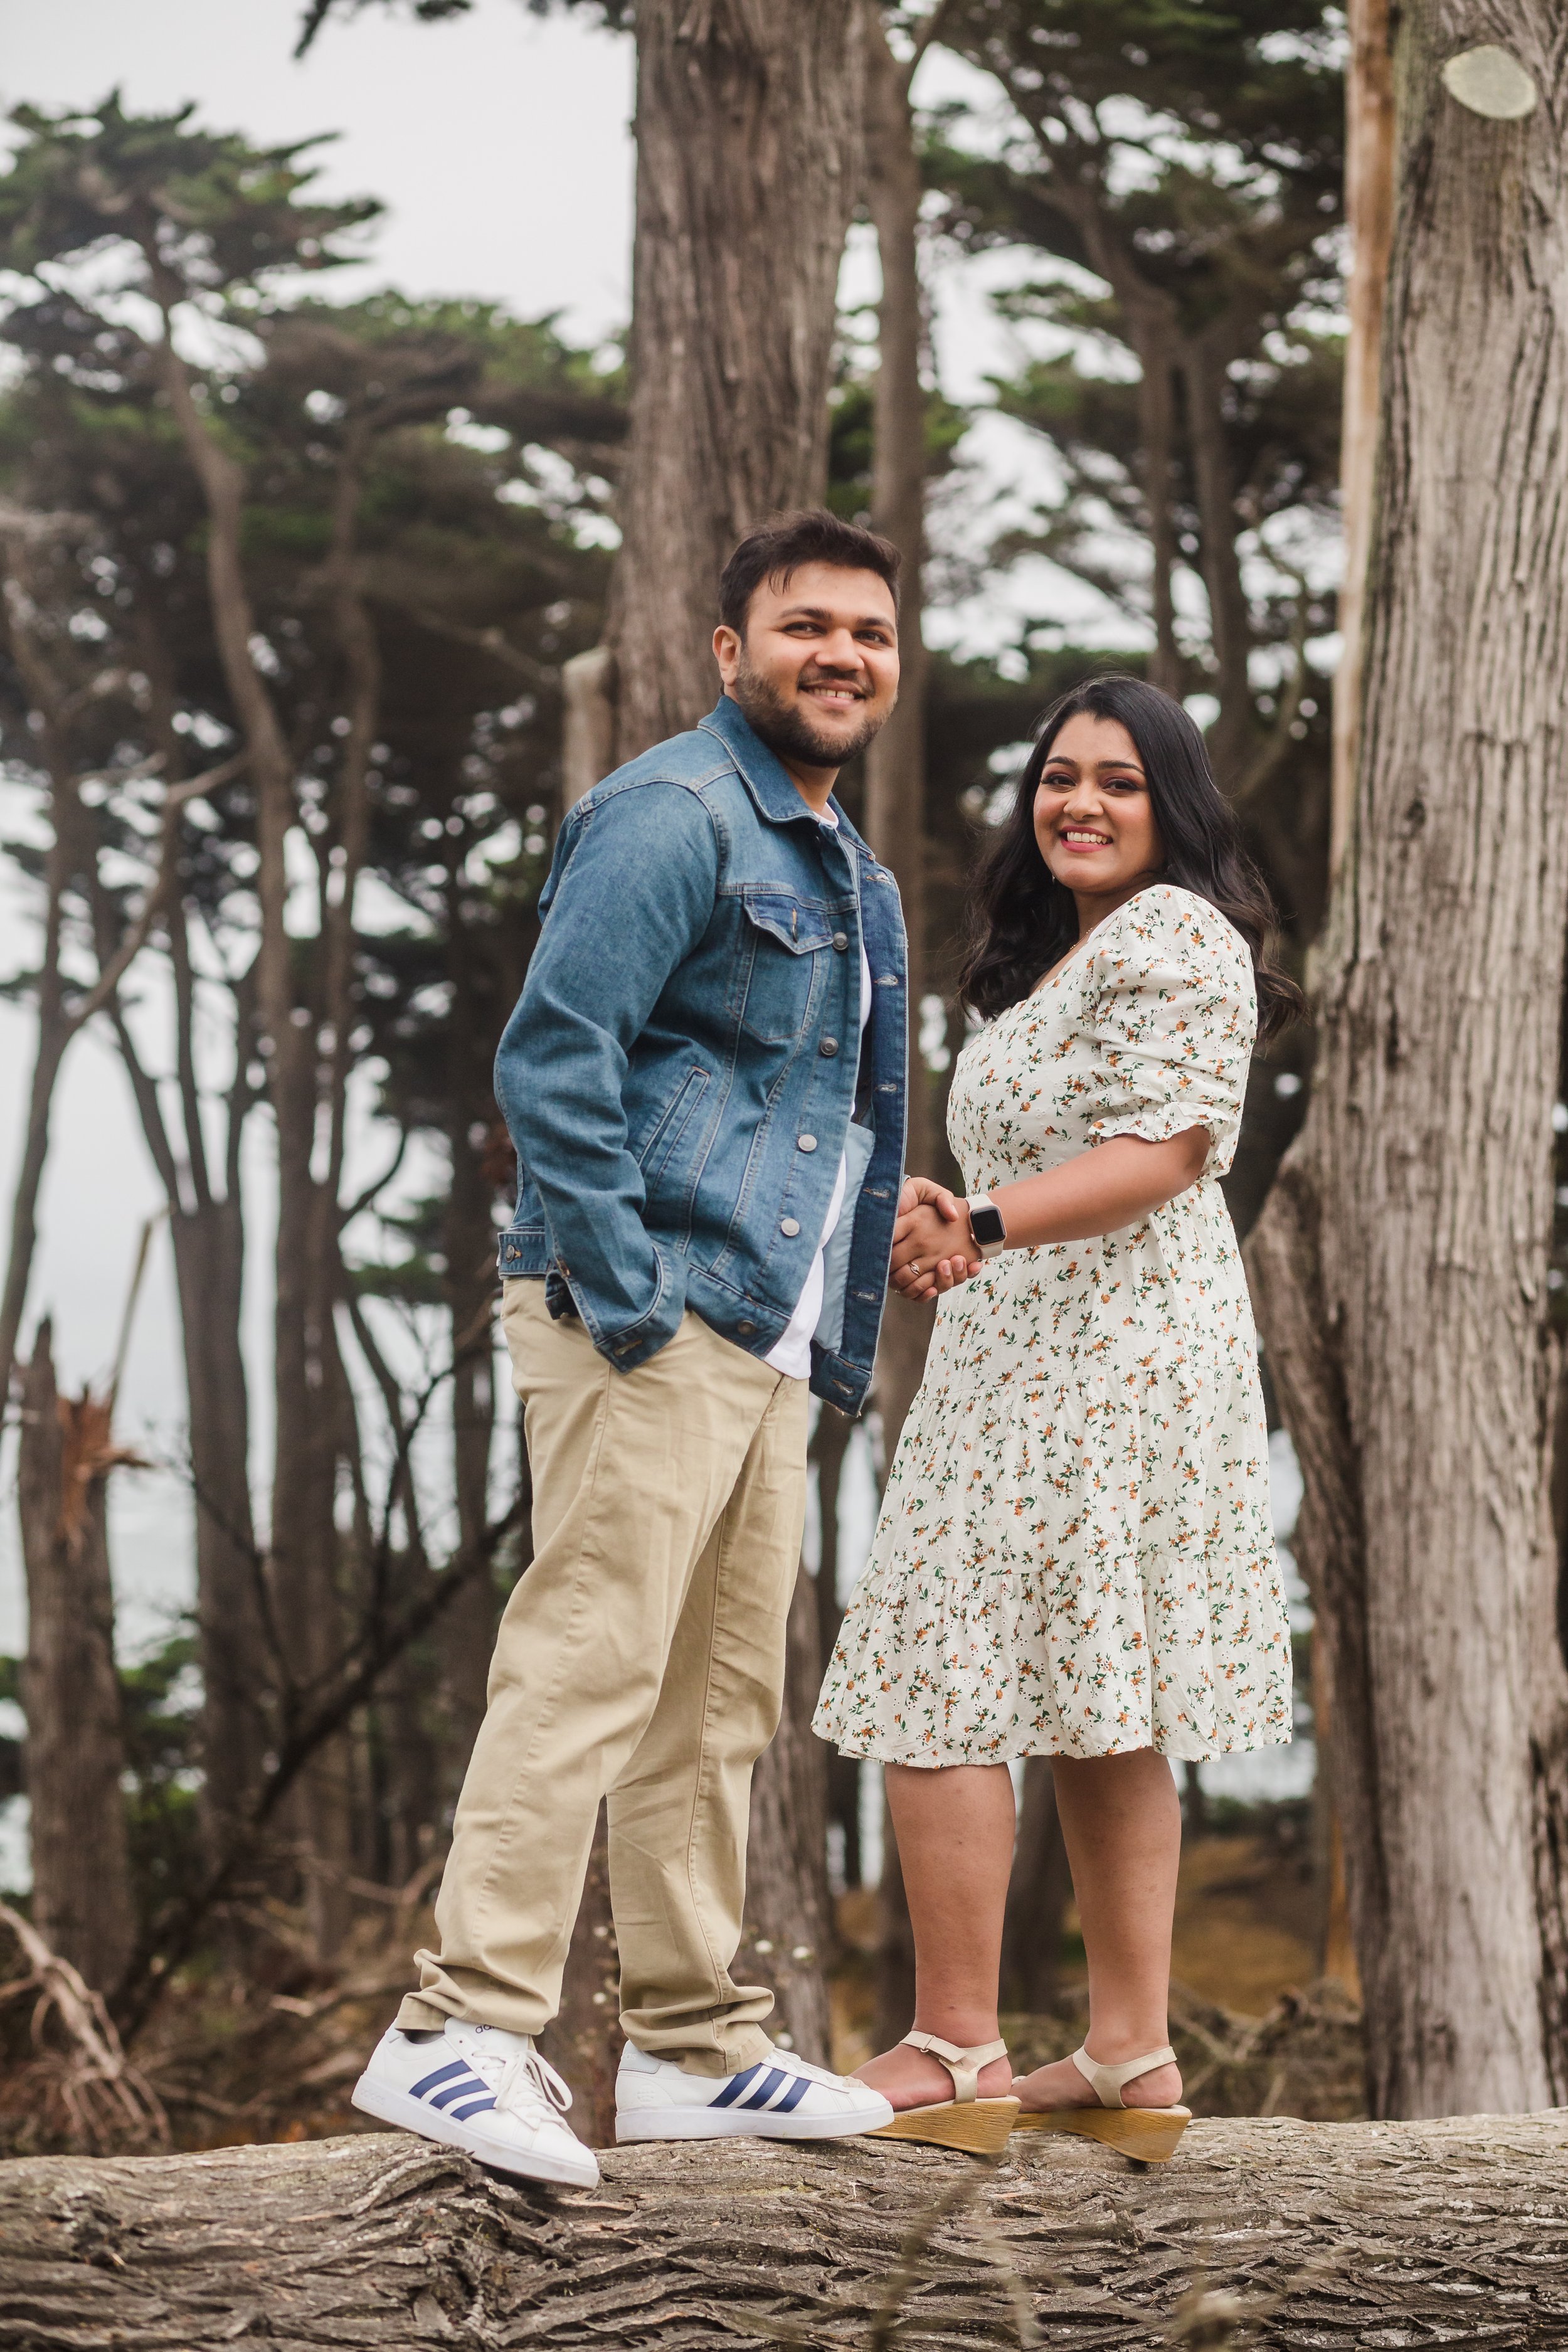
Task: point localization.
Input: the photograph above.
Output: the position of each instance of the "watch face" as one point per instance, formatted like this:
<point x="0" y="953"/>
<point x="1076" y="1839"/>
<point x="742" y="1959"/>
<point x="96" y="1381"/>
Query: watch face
<point x="987" y="1226"/>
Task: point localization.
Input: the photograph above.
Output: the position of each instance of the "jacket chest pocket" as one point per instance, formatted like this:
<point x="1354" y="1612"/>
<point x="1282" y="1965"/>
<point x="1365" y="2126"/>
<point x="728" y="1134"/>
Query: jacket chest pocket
<point x="786" y="946"/>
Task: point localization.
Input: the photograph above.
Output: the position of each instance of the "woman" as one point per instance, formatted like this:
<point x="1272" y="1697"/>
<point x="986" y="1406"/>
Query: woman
<point x="1075" y="1556"/>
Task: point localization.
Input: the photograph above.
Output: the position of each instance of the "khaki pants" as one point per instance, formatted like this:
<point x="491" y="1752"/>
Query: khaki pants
<point x="640" y="1658"/>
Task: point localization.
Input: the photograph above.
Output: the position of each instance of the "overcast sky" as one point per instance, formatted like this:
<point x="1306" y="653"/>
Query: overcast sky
<point x="500" y="142"/>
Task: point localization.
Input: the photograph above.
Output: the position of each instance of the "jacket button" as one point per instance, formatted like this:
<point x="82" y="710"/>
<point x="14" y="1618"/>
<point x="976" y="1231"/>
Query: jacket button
<point x="747" y="1327"/>
<point x="790" y="1227"/>
<point x="841" y="940"/>
<point x="828" y="1047"/>
<point x="802" y="1143"/>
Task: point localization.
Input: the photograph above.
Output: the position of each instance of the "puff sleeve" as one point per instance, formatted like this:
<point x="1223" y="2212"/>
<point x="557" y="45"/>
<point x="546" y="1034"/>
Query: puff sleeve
<point x="1171" y="1013"/>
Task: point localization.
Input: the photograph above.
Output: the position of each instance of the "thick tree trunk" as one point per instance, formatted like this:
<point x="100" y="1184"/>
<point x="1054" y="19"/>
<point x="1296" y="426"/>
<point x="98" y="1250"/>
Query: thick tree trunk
<point x="1333" y="2235"/>
<point x="75" y="1751"/>
<point x="1369" y="217"/>
<point x="789" y="1914"/>
<point x="1402" y="1259"/>
<point x="748" y="126"/>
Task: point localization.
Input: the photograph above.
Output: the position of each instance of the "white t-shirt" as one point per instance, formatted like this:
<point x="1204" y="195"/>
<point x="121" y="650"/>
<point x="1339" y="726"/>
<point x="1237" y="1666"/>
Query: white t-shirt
<point x="791" y="1353"/>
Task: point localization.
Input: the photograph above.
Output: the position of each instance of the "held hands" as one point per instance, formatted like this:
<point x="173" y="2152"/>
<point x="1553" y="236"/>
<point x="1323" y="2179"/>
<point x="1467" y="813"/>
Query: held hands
<point x="933" y="1248"/>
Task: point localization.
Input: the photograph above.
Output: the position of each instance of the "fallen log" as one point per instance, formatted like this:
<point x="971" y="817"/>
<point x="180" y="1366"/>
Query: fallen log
<point x="1269" y="2231"/>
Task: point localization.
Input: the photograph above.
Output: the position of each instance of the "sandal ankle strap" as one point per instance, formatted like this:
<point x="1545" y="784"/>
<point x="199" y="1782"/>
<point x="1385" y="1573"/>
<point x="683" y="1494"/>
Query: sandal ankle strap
<point x="1106" y="2081"/>
<point x="963" y="2065"/>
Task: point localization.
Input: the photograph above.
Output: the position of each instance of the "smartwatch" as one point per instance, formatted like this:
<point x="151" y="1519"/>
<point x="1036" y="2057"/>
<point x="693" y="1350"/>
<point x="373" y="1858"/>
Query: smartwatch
<point x="985" y="1224"/>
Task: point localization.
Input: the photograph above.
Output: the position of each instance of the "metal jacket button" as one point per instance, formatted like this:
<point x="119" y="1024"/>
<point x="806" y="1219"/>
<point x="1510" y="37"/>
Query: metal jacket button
<point x="806" y="1143"/>
<point x="828" y="1047"/>
<point x="789" y="1228"/>
<point x="841" y="940"/>
<point x="747" y="1327"/>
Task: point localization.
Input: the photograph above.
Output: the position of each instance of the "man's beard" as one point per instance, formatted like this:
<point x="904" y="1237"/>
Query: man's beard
<point x="785" y="729"/>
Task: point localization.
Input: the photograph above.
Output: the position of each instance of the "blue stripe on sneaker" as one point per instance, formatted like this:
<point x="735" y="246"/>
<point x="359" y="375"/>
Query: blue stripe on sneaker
<point x="766" y="2089"/>
<point x="470" y="2087"/>
<point x="442" y="2074"/>
<point x="793" y="2096"/>
<point x="732" y="2090"/>
<point x="474" y="2108"/>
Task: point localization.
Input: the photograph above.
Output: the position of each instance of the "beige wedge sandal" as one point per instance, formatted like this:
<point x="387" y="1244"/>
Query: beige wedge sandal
<point x="978" y="2126"/>
<point x="1148" y="2133"/>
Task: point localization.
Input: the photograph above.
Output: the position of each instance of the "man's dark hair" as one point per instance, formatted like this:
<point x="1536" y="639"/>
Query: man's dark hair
<point x="778" y="548"/>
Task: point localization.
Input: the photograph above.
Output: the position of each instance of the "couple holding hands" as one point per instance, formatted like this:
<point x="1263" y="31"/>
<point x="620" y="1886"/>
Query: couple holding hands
<point x="704" y="1079"/>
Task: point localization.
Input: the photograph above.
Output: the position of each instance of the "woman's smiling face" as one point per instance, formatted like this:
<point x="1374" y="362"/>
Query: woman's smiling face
<point x="1094" y="818"/>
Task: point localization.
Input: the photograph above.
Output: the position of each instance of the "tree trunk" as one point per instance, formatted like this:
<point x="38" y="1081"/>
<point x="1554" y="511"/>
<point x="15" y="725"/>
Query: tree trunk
<point x="789" y="1914"/>
<point x="748" y="122"/>
<point x="1402" y="1258"/>
<point x="1369" y="217"/>
<point x="238" y="1664"/>
<point x="302" y="1544"/>
<point x="895" y="763"/>
<point x="829" y="1446"/>
<point x="1335" y="2235"/>
<point x="1156" y="402"/>
<point x="75" y="1752"/>
<point x="1204" y="361"/>
<point x="1038" y="1897"/>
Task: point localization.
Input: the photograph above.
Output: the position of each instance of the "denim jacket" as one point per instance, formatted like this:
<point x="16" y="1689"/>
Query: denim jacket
<point x="680" y="1077"/>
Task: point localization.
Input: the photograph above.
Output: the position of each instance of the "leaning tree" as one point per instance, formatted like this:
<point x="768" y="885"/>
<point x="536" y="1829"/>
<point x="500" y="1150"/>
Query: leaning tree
<point x="1402" y="1259"/>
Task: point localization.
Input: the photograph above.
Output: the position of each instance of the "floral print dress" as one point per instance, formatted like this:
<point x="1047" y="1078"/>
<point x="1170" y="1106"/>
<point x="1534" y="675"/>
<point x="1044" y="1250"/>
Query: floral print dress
<point x="1075" y="1554"/>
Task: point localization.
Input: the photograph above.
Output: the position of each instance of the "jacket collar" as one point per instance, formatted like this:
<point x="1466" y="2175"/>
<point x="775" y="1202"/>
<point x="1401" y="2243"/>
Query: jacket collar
<point x="762" y="773"/>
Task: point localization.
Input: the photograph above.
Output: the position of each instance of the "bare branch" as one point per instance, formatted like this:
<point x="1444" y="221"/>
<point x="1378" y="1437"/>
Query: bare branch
<point x="363" y="1201"/>
<point x="136" y="937"/>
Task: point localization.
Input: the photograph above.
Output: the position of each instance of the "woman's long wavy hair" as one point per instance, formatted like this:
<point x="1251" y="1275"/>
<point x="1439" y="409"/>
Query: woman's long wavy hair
<point x="1022" y="920"/>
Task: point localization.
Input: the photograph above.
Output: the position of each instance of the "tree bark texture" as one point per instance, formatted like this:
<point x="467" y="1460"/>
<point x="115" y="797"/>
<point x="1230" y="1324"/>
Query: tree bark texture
<point x="789" y="1914"/>
<point x="75" y="1752"/>
<point x="748" y="127"/>
<point x="1369" y="217"/>
<point x="1329" y="2235"/>
<point x="895" y="763"/>
<point x="1402" y="1260"/>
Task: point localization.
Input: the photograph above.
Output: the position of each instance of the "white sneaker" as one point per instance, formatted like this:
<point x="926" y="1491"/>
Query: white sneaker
<point x="483" y="2090"/>
<point x="784" y="2097"/>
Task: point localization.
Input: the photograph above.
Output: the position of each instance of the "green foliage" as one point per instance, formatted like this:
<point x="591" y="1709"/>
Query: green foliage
<point x="1177" y="170"/>
<point x="187" y="210"/>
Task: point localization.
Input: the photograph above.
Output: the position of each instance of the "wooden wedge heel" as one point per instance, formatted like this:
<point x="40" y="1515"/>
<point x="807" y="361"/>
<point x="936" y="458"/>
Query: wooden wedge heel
<point x="1149" y="2134"/>
<point x="979" y="2127"/>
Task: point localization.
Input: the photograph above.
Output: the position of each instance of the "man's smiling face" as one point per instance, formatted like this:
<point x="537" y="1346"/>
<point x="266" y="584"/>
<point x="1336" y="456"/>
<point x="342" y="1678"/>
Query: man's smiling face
<point x="817" y="672"/>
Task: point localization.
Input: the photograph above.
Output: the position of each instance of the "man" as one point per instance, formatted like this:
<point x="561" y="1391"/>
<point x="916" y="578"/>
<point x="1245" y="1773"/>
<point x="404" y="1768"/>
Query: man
<point x="704" y="1079"/>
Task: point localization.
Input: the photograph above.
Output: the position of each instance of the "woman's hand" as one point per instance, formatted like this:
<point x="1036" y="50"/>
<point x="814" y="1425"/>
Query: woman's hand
<point x="933" y="1248"/>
